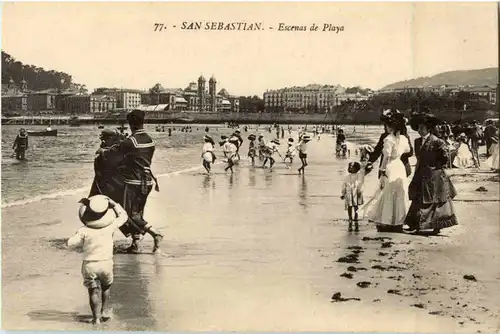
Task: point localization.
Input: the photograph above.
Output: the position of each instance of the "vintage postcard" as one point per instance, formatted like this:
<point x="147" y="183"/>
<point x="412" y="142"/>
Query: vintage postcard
<point x="250" y="166"/>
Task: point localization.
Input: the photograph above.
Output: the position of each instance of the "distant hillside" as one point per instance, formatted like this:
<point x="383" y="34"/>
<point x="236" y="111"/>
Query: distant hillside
<point x="482" y="77"/>
<point x="37" y="78"/>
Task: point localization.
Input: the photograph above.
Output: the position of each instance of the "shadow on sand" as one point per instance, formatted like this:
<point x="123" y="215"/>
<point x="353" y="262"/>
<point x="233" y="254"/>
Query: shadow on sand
<point x="59" y="316"/>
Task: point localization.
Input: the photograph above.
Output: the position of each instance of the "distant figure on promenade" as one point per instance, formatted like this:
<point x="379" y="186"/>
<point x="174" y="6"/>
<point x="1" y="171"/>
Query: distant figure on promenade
<point x="207" y="153"/>
<point x="475" y="136"/>
<point x="102" y="217"/>
<point x="388" y="207"/>
<point x="132" y="159"/>
<point x="352" y="192"/>
<point x="20" y="145"/>
<point x="377" y="151"/>
<point x="431" y="190"/>
<point x="302" y="148"/>
<point x="489" y="135"/>
<point x="493" y="162"/>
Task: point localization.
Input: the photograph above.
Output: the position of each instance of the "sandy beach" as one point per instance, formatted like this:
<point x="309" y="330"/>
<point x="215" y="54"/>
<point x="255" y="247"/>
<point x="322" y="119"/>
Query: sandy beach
<point x="263" y="251"/>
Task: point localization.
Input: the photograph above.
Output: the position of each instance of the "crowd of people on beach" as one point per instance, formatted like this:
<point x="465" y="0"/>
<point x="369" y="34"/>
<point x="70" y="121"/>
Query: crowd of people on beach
<point x="430" y="190"/>
<point x="124" y="179"/>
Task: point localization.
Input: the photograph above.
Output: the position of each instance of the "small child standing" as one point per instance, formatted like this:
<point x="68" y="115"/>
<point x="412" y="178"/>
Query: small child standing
<point x="302" y="148"/>
<point x="101" y="217"/>
<point x="290" y="152"/>
<point x="207" y="154"/>
<point x="352" y="192"/>
<point x="252" y="151"/>
<point x="229" y="150"/>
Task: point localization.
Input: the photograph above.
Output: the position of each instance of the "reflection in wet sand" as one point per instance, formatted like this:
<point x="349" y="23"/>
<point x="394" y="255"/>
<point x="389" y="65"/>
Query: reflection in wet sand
<point x="303" y="200"/>
<point x="131" y="295"/>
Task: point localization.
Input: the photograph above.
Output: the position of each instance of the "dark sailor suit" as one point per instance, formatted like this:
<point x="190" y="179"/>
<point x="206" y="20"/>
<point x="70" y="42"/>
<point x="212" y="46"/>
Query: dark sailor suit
<point x="133" y="157"/>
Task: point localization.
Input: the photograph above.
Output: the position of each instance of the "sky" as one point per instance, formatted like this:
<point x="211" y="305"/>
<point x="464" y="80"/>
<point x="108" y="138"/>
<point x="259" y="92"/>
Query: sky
<point x="115" y="45"/>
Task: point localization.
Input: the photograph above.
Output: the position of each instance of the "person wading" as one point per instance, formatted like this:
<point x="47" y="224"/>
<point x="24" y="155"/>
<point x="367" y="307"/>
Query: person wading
<point x="21" y="145"/>
<point x="137" y="152"/>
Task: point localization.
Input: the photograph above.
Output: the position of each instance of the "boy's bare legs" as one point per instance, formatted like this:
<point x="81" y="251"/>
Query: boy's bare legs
<point x="105" y="310"/>
<point x="95" y="304"/>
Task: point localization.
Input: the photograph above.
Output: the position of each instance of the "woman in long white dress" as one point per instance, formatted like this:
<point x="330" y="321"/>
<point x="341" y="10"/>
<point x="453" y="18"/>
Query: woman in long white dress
<point x="388" y="208"/>
<point x="493" y="161"/>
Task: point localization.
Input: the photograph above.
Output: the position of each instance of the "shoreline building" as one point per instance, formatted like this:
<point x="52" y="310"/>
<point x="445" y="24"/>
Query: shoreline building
<point x="195" y="97"/>
<point x="125" y="98"/>
<point x="310" y="98"/>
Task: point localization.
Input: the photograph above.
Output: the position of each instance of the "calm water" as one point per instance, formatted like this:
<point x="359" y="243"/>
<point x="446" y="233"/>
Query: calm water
<point x="64" y="164"/>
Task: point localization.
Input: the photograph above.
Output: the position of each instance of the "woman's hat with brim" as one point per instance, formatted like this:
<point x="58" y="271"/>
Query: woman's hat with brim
<point x="462" y="136"/>
<point x="223" y="137"/>
<point x="95" y="212"/>
<point x="252" y="137"/>
<point x="428" y="119"/>
<point x="208" y="138"/>
<point x="276" y="141"/>
<point x="306" y="138"/>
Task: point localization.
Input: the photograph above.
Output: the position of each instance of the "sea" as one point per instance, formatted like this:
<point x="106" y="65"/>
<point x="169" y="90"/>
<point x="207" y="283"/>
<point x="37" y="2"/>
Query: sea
<point x="63" y="165"/>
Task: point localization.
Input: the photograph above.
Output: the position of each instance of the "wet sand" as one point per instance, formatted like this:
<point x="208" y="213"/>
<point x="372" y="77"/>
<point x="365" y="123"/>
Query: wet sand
<point x="260" y="251"/>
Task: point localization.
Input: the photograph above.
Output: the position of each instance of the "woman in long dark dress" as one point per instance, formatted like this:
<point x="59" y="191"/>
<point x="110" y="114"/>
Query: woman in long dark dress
<point x="430" y="190"/>
<point x="107" y="181"/>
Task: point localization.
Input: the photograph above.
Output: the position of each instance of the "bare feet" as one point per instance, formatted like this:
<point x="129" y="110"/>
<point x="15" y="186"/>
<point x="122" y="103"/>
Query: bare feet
<point x="157" y="239"/>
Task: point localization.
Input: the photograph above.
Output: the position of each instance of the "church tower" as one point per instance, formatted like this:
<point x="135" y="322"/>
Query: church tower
<point x="24" y="85"/>
<point x="201" y="93"/>
<point x="212" y="91"/>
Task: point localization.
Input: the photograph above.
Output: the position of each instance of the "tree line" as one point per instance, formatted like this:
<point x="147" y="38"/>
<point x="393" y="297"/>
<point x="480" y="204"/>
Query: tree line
<point x="37" y="78"/>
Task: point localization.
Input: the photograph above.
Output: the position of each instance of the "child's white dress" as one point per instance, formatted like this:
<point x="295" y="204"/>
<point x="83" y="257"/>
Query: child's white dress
<point x="352" y="189"/>
<point x="207" y="152"/>
<point x="463" y="158"/>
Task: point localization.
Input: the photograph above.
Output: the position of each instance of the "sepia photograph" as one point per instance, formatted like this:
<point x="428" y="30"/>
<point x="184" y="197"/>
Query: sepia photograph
<point x="250" y="166"/>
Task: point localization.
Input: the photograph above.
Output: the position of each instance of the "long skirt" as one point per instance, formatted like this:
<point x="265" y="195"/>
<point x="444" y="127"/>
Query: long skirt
<point x="493" y="161"/>
<point x="134" y="201"/>
<point x="389" y="205"/>
<point x="431" y="216"/>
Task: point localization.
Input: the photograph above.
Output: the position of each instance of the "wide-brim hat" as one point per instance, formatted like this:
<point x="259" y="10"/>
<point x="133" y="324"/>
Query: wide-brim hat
<point x="208" y="138"/>
<point x="290" y="140"/>
<point x="276" y="141"/>
<point x="389" y="114"/>
<point x="462" y="136"/>
<point x="223" y="137"/>
<point x="428" y="119"/>
<point x="306" y="138"/>
<point x="252" y="137"/>
<point x="95" y="212"/>
<point x="368" y="148"/>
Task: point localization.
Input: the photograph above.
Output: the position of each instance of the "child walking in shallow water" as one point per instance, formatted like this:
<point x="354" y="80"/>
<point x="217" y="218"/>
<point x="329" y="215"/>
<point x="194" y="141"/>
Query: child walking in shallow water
<point x="207" y="154"/>
<point x="302" y="148"/>
<point x="101" y="217"/>
<point x="352" y="192"/>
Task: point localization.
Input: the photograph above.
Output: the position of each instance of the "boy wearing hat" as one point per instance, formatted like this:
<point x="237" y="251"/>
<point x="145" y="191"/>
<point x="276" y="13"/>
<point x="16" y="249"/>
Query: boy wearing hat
<point x="132" y="158"/>
<point x="302" y="148"/>
<point x="102" y="217"/>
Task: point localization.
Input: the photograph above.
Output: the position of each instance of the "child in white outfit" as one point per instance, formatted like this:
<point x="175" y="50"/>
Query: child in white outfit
<point x="101" y="217"/>
<point x="352" y="192"/>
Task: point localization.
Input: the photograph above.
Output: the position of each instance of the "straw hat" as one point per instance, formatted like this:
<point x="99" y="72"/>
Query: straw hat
<point x="95" y="212"/>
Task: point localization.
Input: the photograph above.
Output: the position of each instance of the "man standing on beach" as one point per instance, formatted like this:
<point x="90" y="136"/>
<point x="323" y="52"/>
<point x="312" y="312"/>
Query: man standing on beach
<point x="137" y="151"/>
